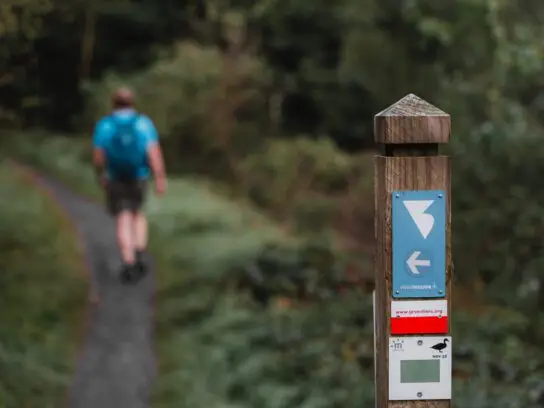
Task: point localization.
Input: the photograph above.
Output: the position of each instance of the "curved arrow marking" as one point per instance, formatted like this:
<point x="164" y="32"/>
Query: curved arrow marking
<point x="413" y="262"/>
<point x="417" y="208"/>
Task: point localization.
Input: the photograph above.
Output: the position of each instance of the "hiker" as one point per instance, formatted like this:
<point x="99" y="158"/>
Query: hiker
<point x="125" y="149"/>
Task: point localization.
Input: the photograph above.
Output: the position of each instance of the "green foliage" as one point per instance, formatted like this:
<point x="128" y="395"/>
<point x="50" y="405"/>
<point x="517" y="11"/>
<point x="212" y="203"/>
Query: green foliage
<point x="186" y="77"/>
<point x="83" y="38"/>
<point x="220" y="345"/>
<point x="328" y="66"/>
<point x="494" y="366"/>
<point x="498" y="225"/>
<point x="287" y="162"/>
<point x="246" y="72"/>
<point x="42" y="298"/>
<point x="305" y="182"/>
<point x="186" y="88"/>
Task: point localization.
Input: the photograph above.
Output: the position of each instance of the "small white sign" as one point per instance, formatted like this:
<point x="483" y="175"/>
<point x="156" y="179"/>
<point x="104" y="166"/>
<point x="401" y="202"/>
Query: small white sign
<point x="420" y="368"/>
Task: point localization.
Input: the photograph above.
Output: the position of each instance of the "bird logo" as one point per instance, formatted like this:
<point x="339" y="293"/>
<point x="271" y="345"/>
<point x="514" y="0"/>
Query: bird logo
<point x="440" y="346"/>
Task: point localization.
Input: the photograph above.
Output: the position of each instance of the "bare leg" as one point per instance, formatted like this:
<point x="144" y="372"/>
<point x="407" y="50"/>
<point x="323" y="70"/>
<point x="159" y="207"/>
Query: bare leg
<point x="140" y="231"/>
<point x="124" y="237"/>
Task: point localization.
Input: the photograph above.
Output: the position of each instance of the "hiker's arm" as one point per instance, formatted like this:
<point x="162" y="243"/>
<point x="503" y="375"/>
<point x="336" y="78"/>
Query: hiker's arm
<point x="99" y="161"/>
<point x="154" y="151"/>
<point x="156" y="161"/>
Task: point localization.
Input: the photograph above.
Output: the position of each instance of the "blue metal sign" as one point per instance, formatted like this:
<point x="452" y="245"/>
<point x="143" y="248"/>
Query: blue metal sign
<point x="419" y="244"/>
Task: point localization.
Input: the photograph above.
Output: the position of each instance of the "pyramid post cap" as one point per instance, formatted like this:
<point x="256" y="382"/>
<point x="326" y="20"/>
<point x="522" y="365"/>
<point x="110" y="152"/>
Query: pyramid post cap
<point x="412" y="120"/>
<point x="412" y="105"/>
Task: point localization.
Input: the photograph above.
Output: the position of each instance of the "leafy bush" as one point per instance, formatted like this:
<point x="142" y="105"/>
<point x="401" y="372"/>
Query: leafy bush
<point x="308" y="180"/>
<point x="171" y="91"/>
<point x="193" y="95"/>
<point x="498" y="218"/>
<point x="286" y="166"/>
<point x="42" y="295"/>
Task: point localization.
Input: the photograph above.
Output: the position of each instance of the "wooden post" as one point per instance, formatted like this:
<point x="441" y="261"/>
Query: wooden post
<point x="408" y="133"/>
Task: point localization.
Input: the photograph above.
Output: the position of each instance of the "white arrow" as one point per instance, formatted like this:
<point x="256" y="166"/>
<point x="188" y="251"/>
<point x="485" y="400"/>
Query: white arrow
<point x="413" y="262"/>
<point x="417" y="208"/>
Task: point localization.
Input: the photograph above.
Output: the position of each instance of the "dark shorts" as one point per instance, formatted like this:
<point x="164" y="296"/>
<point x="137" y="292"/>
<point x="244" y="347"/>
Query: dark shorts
<point x="125" y="195"/>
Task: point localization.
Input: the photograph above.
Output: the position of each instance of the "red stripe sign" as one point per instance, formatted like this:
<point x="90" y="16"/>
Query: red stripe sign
<point x="419" y="317"/>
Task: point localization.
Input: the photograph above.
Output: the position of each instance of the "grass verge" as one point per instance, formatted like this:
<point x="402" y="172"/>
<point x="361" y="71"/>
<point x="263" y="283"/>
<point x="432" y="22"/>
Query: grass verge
<point x="43" y="295"/>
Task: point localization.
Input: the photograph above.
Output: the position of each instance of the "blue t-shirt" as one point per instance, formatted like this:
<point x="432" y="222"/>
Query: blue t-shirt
<point x="143" y="129"/>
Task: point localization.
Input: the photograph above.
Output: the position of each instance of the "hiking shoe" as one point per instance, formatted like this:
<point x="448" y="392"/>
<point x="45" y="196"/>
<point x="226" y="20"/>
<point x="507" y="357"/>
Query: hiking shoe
<point x="141" y="266"/>
<point x="127" y="273"/>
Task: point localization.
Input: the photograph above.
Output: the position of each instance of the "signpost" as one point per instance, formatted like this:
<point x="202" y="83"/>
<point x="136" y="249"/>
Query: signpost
<point x="413" y="256"/>
<point x="374" y="330"/>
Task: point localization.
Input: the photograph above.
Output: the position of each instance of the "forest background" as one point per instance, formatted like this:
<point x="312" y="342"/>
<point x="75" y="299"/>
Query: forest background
<point x="269" y="104"/>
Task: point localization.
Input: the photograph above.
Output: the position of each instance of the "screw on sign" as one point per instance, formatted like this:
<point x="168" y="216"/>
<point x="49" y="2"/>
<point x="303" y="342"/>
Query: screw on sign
<point x="413" y="256"/>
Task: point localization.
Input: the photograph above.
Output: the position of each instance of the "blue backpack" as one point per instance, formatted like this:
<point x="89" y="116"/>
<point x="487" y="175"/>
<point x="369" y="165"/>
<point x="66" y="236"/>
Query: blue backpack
<point x="125" y="156"/>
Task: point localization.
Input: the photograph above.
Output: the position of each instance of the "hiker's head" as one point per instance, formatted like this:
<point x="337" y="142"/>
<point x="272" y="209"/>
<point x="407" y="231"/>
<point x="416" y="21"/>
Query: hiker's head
<point x="123" y="98"/>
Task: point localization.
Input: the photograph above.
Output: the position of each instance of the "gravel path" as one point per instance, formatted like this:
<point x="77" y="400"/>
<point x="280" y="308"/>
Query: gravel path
<point x="117" y="365"/>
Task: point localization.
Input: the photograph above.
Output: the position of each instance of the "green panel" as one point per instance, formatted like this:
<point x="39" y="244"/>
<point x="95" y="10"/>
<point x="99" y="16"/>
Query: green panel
<point x="419" y="371"/>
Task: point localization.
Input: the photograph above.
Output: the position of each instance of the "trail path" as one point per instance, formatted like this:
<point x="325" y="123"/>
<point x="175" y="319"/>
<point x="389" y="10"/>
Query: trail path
<point x="116" y="366"/>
